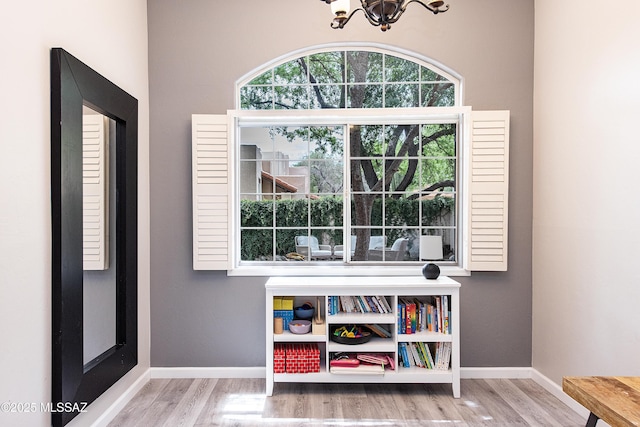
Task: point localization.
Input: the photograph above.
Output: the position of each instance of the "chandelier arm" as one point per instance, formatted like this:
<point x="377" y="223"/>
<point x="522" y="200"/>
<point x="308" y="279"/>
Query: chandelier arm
<point x="426" y="6"/>
<point x="340" y="23"/>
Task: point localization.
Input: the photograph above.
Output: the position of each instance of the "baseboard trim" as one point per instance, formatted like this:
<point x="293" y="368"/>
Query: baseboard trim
<point x="107" y="416"/>
<point x="194" y="372"/>
<point x="259" y="372"/>
<point x="535" y="375"/>
<point x="487" y="373"/>
<point x="556" y="390"/>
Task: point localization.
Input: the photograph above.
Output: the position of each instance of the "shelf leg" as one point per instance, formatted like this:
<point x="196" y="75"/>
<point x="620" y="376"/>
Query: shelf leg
<point x="593" y="419"/>
<point x="456" y="389"/>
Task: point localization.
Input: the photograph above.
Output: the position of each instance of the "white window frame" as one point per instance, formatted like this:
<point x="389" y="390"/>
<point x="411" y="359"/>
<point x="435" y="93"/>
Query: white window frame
<point x="344" y="117"/>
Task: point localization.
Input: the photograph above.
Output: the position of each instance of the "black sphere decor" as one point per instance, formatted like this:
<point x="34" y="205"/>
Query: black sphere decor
<point x="431" y="271"/>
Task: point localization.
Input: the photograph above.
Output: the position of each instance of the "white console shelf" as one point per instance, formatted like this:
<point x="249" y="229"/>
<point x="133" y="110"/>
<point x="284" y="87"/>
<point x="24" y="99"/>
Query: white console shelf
<point x="393" y="289"/>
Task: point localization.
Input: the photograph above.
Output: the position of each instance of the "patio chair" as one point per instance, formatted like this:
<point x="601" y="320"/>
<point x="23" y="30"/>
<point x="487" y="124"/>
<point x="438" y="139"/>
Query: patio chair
<point x="310" y="248"/>
<point x="375" y="242"/>
<point x="396" y="252"/>
<point x="338" y="250"/>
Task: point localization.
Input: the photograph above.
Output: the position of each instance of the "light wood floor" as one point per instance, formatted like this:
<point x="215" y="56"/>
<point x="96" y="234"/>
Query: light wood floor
<point x="243" y="403"/>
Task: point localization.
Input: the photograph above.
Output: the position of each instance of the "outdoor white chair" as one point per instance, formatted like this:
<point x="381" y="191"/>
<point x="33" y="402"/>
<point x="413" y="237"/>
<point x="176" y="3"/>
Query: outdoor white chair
<point x="396" y="252"/>
<point x="311" y="249"/>
<point x="375" y="242"/>
<point x="338" y="250"/>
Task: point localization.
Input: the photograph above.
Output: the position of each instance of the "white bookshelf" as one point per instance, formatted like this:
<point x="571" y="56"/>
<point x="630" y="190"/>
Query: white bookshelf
<point x="392" y="288"/>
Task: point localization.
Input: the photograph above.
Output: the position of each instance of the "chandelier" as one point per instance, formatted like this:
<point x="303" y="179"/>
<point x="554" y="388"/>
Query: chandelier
<point x="380" y="13"/>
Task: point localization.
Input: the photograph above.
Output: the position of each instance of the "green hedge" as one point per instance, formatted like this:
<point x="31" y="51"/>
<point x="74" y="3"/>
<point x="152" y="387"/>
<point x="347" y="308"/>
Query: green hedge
<point x="291" y="219"/>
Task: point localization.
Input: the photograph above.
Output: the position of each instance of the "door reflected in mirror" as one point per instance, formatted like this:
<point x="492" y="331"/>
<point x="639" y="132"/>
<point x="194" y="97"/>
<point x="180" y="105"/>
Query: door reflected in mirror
<point x="98" y="232"/>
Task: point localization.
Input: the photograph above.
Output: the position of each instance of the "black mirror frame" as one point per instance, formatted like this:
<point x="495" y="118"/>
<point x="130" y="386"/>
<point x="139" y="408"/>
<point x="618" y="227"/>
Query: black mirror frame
<point x="74" y="84"/>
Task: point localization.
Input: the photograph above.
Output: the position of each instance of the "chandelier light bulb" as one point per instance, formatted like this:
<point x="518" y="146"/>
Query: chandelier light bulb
<point x="340" y="7"/>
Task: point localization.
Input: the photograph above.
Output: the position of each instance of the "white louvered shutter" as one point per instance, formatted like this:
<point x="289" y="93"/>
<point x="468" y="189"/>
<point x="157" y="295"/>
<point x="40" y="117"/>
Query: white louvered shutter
<point x="211" y="196"/>
<point x="95" y="196"/>
<point x="489" y="189"/>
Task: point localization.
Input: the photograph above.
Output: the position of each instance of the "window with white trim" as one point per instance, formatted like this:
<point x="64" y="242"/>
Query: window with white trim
<point x="354" y="157"/>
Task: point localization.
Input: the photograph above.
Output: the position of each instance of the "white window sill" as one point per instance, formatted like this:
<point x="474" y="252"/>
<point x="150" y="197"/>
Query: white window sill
<point x="328" y="270"/>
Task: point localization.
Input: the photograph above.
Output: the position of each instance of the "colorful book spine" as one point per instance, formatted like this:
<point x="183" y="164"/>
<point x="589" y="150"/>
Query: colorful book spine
<point x="405" y="354"/>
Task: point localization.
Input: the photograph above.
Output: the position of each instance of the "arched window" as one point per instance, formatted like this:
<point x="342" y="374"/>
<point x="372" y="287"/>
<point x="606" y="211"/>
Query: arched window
<point x="356" y="78"/>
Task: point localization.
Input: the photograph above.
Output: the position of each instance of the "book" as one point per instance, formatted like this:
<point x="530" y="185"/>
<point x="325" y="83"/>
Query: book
<point x="446" y="356"/>
<point x="427" y="354"/>
<point x="445" y="314"/>
<point x="362" y="369"/>
<point x="405" y="354"/>
<point x="383" y="301"/>
<point x="378" y="330"/>
<point x="381" y="308"/>
<point x="411" y="317"/>
<point x="420" y="316"/>
<point x="372" y="304"/>
<point x="416" y="356"/>
<point x="423" y="354"/>
<point x="438" y="321"/>
<point x="345" y="363"/>
<point x="443" y="355"/>
<point x="402" y="318"/>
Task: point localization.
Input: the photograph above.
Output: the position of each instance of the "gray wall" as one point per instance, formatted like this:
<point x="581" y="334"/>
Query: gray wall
<point x="197" y="51"/>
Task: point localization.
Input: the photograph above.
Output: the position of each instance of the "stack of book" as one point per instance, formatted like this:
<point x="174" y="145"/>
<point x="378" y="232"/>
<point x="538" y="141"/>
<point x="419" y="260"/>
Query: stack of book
<point x="358" y="304"/>
<point x="431" y="314"/>
<point x="422" y="355"/>
<point x="361" y="363"/>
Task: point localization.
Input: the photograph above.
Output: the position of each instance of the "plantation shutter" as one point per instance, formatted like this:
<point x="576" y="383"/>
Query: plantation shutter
<point x="95" y="197"/>
<point x="489" y="189"/>
<point x="211" y="196"/>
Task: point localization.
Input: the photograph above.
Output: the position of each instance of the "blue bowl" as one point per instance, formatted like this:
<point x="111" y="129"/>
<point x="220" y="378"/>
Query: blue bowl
<point x="304" y="313"/>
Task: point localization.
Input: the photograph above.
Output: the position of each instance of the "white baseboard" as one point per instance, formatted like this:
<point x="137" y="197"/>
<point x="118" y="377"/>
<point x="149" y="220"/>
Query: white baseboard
<point x="259" y="372"/>
<point x="479" y="373"/>
<point x="535" y="375"/>
<point x="107" y="416"/>
<point x="180" y="372"/>
<point x="556" y="390"/>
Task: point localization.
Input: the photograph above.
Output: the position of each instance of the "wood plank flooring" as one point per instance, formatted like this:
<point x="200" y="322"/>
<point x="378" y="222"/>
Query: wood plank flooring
<point x="243" y="403"/>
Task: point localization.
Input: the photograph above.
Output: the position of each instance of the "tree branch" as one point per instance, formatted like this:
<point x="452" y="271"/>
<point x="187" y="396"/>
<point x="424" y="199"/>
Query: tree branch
<point x="433" y="187"/>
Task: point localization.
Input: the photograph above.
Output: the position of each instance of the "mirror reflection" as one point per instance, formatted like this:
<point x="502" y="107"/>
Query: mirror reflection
<point x="98" y="225"/>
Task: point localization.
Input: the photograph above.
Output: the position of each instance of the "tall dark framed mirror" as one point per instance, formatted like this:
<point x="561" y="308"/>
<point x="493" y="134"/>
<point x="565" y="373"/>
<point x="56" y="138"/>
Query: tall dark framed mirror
<point x="94" y="304"/>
